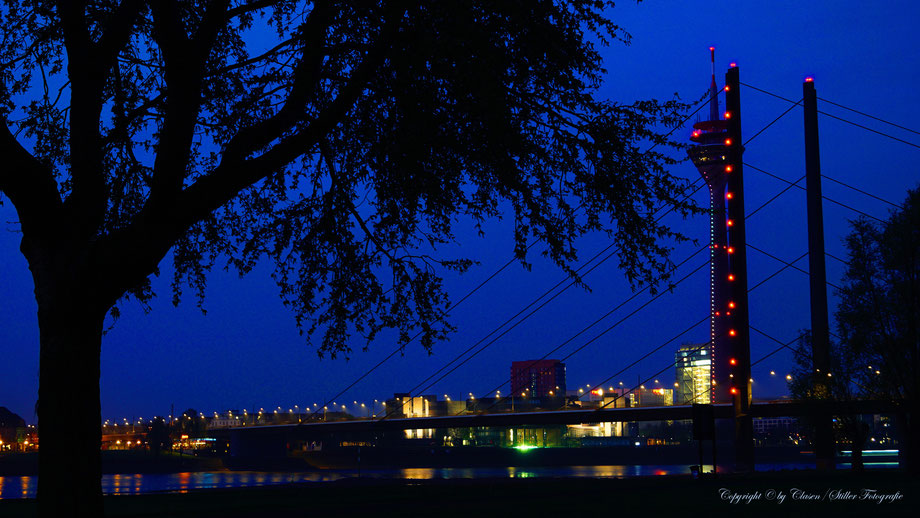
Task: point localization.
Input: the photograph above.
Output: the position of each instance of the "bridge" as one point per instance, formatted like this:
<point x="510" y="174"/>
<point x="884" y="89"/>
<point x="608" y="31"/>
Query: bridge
<point x="565" y="417"/>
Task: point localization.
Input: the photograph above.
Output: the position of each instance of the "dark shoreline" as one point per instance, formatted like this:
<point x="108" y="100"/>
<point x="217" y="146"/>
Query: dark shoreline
<point x="539" y="497"/>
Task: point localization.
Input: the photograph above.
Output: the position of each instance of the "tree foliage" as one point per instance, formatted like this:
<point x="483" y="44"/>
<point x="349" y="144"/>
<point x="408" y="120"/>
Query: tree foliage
<point x="340" y="141"/>
<point x="842" y="384"/>
<point x="879" y="312"/>
<point x="877" y="353"/>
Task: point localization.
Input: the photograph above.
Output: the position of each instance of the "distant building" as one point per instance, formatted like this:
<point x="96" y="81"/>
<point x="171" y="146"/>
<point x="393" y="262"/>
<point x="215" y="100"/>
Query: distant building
<point x="404" y="404"/>
<point x="651" y="397"/>
<point x="693" y="374"/>
<point x="538" y="378"/>
<point x="13" y="431"/>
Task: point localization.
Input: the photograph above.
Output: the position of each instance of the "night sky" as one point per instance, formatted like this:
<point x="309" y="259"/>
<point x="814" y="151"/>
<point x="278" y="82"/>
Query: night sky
<point x="246" y="353"/>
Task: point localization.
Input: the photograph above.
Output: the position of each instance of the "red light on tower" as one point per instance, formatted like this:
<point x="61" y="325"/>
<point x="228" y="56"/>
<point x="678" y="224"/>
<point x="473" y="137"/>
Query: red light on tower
<point x="732" y="332"/>
<point x="731" y="250"/>
<point x="731" y="277"/>
<point x="734" y="391"/>
<point x="711" y="49"/>
<point x="728" y="142"/>
<point x="728" y="115"/>
<point x="728" y="196"/>
<point x="733" y="361"/>
<point x="733" y="64"/>
<point x="809" y="79"/>
<point x="728" y="169"/>
<point x="731" y="305"/>
<point x="730" y="222"/>
<point x="726" y="88"/>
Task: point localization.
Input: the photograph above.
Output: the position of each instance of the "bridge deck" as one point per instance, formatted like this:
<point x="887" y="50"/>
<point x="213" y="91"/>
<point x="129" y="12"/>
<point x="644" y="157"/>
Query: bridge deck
<point x="663" y="413"/>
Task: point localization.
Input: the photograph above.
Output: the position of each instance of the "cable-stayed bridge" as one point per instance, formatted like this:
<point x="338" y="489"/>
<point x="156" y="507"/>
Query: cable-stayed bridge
<point x="496" y="413"/>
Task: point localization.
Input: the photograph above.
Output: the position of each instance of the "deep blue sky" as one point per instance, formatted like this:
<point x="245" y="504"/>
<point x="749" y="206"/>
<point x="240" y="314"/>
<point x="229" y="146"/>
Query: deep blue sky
<point x="246" y="351"/>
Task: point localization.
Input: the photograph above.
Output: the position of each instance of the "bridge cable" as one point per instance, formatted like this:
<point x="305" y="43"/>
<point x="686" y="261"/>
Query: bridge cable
<point x="525" y="317"/>
<point x="882" y="133"/>
<point x="773" y="121"/>
<point x="869" y="116"/>
<point x="643" y="306"/>
<point x="630" y="298"/>
<point x="803" y="188"/>
<point x="897" y="205"/>
<point x="774" y="274"/>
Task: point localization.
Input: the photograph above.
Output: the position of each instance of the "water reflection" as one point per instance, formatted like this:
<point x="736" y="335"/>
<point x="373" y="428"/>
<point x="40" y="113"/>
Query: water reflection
<point x="135" y="483"/>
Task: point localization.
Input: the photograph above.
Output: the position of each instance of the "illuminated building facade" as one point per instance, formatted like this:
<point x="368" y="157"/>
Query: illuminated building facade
<point x="693" y="374"/>
<point x="651" y="397"/>
<point x="538" y="378"/>
<point x="406" y="405"/>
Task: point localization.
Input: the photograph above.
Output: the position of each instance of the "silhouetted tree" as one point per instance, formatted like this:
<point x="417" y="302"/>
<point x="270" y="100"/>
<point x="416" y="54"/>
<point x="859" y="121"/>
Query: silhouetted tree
<point x="842" y="386"/>
<point x="192" y="424"/>
<point x="158" y="435"/>
<point x="338" y="140"/>
<point x="878" y="318"/>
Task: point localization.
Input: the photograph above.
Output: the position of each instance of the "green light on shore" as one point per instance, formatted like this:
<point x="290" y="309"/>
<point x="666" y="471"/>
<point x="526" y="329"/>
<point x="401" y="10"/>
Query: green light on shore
<point x="525" y="449"/>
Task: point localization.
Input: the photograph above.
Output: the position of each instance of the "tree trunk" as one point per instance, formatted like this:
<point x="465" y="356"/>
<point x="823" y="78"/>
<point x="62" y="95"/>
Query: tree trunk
<point x="908" y="440"/>
<point x="69" y="414"/>
<point x="911" y="434"/>
<point x="857" y="458"/>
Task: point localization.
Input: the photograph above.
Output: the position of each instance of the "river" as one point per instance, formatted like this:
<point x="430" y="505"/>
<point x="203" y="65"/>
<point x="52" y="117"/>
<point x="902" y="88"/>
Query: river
<point x="12" y="487"/>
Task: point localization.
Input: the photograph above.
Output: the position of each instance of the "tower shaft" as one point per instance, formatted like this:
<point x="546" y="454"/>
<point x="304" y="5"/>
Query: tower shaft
<point x="718" y="157"/>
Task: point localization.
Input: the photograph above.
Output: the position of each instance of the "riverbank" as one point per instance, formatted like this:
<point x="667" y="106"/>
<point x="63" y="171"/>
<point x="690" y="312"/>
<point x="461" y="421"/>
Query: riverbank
<point x="873" y="493"/>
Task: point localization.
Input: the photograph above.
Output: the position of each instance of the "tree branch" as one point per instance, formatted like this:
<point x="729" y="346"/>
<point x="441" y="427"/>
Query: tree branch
<point x="29" y="185"/>
<point x="88" y="67"/>
<point x="184" y="59"/>
<point x="155" y="229"/>
<point x="233" y="175"/>
<point x="306" y="78"/>
<point x="117" y="33"/>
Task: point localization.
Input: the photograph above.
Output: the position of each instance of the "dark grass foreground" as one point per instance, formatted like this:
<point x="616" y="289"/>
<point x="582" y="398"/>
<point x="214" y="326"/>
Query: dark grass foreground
<point x="835" y="494"/>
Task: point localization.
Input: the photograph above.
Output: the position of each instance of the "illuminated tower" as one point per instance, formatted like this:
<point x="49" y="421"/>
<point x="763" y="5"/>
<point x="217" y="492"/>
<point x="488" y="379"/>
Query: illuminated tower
<point x="711" y="159"/>
<point x="717" y="156"/>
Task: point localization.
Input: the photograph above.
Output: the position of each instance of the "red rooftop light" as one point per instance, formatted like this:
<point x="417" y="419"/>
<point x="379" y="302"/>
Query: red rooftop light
<point x="809" y="80"/>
